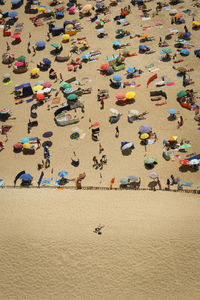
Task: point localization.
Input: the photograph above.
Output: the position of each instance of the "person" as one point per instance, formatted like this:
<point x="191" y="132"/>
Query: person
<point x="168" y="183"/>
<point x="155" y="135"/>
<point x="8" y="47"/>
<point x="159" y="183"/>
<point x="38" y="143"/>
<point x="48" y="37"/>
<point x="34" y="51"/>
<point x="61" y="78"/>
<point x="180" y="122"/>
<point x="98" y="229"/>
<point x="173" y="180"/>
<point x="100" y="148"/>
<point x="104" y="158"/>
<point x="102" y="104"/>
<point x="117" y="132"/>
<point x="95" y="161"/>
<point x="101" y="164"/>
<point x="47" y="162"/>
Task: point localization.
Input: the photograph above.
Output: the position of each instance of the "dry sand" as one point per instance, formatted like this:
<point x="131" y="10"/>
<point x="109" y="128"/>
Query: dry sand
<point x="149" y="247"/>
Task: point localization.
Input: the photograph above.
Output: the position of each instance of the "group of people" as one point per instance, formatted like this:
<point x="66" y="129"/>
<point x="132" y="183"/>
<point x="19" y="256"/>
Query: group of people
<point x="99" y="164"/>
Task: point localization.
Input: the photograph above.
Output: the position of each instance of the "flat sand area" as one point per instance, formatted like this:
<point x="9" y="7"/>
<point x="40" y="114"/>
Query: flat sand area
<point x="149" y="247"/>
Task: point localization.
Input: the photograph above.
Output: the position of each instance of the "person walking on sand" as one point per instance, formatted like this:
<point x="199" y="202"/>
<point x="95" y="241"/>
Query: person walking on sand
<point x="102" y="104"/>
<point x="100" y="148"/>
<point x="48" y="37"/>
<point x="38" y="143"/>
<point x="61" y="78"/>
<point x="34" y="51"/>
<point x="168" y="184"/>
<point x="116" y="131"/>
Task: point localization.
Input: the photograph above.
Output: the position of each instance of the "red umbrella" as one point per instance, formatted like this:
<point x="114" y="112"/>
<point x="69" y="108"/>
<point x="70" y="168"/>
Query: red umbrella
<point x="184" y="162"/>
<point x="95" y="124"/>
<point x="19" y="63"/>
<point x="18" y="146"/>
<point x="120" y="96"/>
<point x="104" y="67"/>
<point x="40" y="97"/>
<point x="16" y="35"/>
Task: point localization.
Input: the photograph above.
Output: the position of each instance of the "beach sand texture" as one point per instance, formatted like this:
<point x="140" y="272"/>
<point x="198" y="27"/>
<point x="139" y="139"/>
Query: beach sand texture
<point x="149" y="247"/>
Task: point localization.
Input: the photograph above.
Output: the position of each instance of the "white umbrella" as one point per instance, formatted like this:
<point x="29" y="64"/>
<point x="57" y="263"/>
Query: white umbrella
<point x="153" y="175"/>
<point x="194" y="162"/>
<point x="114" y="111"/>
<point x="173" y="12"/>
<point x="134" y="112"/>
<point x="47" y="90"/>
<point x="127" y="146"/>
<point x="40" y="92"/>
<point x="6" y="76"/>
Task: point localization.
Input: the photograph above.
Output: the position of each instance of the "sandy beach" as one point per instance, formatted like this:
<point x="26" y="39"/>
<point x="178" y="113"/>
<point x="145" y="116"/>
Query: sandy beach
<point x="149" y="247"/>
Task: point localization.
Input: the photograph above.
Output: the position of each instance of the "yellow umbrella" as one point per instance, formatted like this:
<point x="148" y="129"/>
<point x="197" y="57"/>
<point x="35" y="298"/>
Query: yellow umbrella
<point x="35" y="71"/>
<point x="42" y="8"/>
<point x="87" y="8"/>
<point x="37" y="88"/>
<point x="130" y="95"/>
<point x="144" y="136"/>
<point x="173" y="138"/>
<point x="196" y="23"/>
<point x="26" y="145"/>
<point x="65" y="37"/>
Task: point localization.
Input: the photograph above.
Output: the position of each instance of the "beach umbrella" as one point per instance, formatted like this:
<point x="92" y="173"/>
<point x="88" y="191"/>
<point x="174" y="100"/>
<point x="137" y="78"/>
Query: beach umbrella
<point x="133" y="178"/>
<point x="40" y="44"/>
<point x="26" y="177"/>
<point x="117" y="77"/>
<point x="6" y="76"/>
<point x="54" y="45"/>
<point x="184" y="162"/>
<point x="184" y="52"/>
<point x="72" y="97"/>
<point x="86" y="8"/>
<point x="134" y="112"/>
<point x="172" y="111"/>
<point x="194" y="162"/>
<point x="130" y="95"/>
<point x="37" y="88"/>
<point x="8" y="56"/>
<point x="117" y="43"/>
<point x="40" y="92"/>
<point x="144" y="35"/>
<point x="75" y="129"/>
<point x="178" y="16"/>
<point x="144" y="136"/>
<point x="14" y="2"/>
<point x="120" y="96"/>
<point x="114" y="111"/>
<point x="101" y="30"/>
<point x="142" y="47"/>
<point x="65" y="37"/>
<point x="40" y="96"/>
<point x="126" y="145"/>
<point x="46" y="84"/>
<point x="130" y="70"/>
<point x="150" y="161"/>
<point x="99" y="23"/>
<point x="119" y="31"/>
<point x="104" y="67"/>
<point x="47" y="134"/>
<point x="186" y="146"/>
<point x="24" y="140"/>
<point x="42" y="8"/>
<point x="18" y="63"/>
<point x="99" y="4"/>
<point x="95" y="124"/>
<point x="173" y="138"/>
<point x="69" y="26"/>
<point x="166" y="50"/>
<point x="65" y="85"/>
<point x="181" y="94"/>
<point x="153" y="175"/>
<point x="5" y="111"/>
<point x="13" y="14"/>
<point x="35" y="71"/>
<point x="26" y="145"/>
<point x="47" y="90"/>
<point x="16" y="35"/>
<point x="196" y="23"/>
<point x="186" y="35"/>
<point x="109" y="70"/>
<point x="181" y="70"/>
<point x="62" y="173"/>
<point x="72" y="9"/>
<point x="173" y="12"/>
<point x="85" y="56"/>
<point x="145" y="129"/>
<point x="67" y="91"/>
<point x="124" y="180"/>
<point x="18" y="146"/>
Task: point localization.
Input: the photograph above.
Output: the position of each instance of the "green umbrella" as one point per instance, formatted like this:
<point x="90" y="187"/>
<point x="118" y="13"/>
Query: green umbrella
<point x="72" y="97"/>
<point x="55" y="45"/>
<point x="181" y="70"/>
<point x="119" y="31"/>
<point x="150" y="160"/>
<point x="186" y="146"/>
<point x="166" y="50"/>
<point x="21" y="58"/>
<point x="181" y="94"/>
<point x="65" y="85"/>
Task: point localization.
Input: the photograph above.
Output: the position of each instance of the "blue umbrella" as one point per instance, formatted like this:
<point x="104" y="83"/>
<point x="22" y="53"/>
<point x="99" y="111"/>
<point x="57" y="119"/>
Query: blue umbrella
<point x="59" y="13"/>
<point x="47" y="134"/>
<point x="124" y="180"/>
<point x="101" y="30"/>
<point x="117" y="77"/>
<point x="117" y="43"/>
<point x="172" y="111"/>
<point x="185" y="52"/>
<point x="40" y="44"/>
<point x="85" y="56"/>
<point x="133" y="178"/>
<point x="186" y="35"/>
<point x="142" y="47"/>
<point x="46" y="61"/>
<point x="145" y="129"/>
<point x="15" y="1"/>
<point x="24" y="140"/>
<point x="67" y="23"/>
<point x="130" y="70"/>
<point x="13" y="14"/>
<point x="62" y="173"/>
<point x="26" y="177"/>
<point x="70" y="4"/>
<point x="99" y="5"/>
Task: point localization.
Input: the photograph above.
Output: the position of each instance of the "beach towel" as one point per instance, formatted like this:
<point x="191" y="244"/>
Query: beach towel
<point x="157" y="23"/>
<point x="170" y="83"/>
<point x="29" y="100"/>
<point x="7" y="83"/>
<point x="56" y="100"/>
<point x="185" y="183"/>
<point x="151" y="79"/>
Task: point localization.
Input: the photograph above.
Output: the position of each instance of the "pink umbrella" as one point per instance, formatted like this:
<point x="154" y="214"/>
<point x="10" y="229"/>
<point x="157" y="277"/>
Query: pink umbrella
<point x="18" y="146"/>
<point x="19" y="63"/>
<point x="16" y="35"/>
<point x="120" y="96"/>
<point x="72" y="9"/>
<point x="47" y="84"/>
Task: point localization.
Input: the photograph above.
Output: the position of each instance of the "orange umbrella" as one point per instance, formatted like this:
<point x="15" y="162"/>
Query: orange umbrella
<point x="143" y="35"/>
<point x="40" y="97"/>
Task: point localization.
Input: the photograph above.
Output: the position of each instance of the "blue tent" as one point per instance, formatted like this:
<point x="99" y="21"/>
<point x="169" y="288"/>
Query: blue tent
<point x="184" y="52"/>
<point x="194" y="157"/>
<point x="26" y="89"/>
<point x="13" y="14"/>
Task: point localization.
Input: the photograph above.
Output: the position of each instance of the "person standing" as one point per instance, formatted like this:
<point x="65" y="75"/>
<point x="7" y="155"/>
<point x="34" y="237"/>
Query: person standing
<point x="116" y="131"/>
<point x="102" y="104"/>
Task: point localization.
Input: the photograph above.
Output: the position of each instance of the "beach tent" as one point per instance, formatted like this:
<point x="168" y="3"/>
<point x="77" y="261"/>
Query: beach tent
<point x="26" y="89"/>
<point x="194" y="157"/>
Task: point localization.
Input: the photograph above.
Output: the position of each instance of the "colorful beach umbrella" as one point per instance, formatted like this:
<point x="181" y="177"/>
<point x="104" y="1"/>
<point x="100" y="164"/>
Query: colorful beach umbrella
<point x="130" y="95"/>
<point x="145" y="129"/>
<point x="134" y="112"/>
<point x="65" y="85"/>
<point x="12" y="14"/>
<point x="104" y="67"/>
<point x="46" y="84"/>
<point x="150" y="160"/>
<point x="181" y="70"/>
<point x="166" y="50"/>
<point x="114" y="111"/>
<point x="130" y="70"/>
<point x="24" y="140"/>
<point x="40" y="97"/>
<point x="62" y="174"/>
<point x="181" y="94"/>
<point x="37" y="88"/>
<point x="153" y="175"/>
<point x="124" y="180"/>
<point x="5" y="111"/>
<point x="173" y="138"/>
<point x="126" y="145"/>
<point x="18" y="146"/>
<point x="72" y="97"/>
<point x="65" y="37"/>
<point x="26" y="145"/>
<point x="40" y="44"/>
